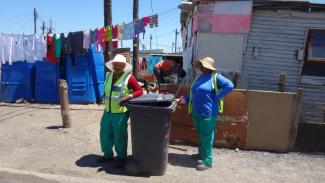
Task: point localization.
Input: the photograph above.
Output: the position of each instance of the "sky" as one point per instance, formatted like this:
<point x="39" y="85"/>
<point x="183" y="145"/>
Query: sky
<point x="16" y="16"/>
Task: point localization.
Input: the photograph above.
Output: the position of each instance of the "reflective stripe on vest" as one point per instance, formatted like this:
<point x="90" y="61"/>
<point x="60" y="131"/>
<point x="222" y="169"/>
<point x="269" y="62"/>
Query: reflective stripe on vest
<point x="113" y="94"/>
<point x="214" y="76"/>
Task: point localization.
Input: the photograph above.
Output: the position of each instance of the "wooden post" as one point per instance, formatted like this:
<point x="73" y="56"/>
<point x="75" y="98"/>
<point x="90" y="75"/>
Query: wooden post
<point x="296" y="119"/>
<point x="108" y="52"/>
<point x="282" y="81"/>
<point x="65" y="106"/>
<point x="136" y="39"/>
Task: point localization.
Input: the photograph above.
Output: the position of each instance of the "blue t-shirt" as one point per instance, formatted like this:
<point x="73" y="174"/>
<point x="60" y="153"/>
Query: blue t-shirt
<point x="204" y="97"/>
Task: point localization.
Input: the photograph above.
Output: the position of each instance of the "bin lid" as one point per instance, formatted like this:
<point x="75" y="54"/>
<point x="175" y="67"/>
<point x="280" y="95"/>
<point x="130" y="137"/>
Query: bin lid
<point x="152" y="98"/>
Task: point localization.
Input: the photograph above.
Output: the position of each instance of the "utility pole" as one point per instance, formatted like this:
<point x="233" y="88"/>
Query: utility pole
<point x="176" y="33"/>
<point x="35" y="19"/>
<point x="43" y="27"/>
<point x="108" y="22"/>
<point x="150" y="41"/>
<point x="173" y="47"/>
<point x="136" y="39"/>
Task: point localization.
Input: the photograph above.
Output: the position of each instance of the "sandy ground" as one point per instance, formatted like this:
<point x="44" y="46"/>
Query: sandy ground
<point x="34" y="148"/>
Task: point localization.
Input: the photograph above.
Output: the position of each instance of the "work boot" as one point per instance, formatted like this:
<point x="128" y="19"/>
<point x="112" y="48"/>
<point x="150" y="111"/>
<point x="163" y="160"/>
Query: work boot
<point x="196" y="157"/>
<point x="103" y="159"/>
<point x="202" y="167"/>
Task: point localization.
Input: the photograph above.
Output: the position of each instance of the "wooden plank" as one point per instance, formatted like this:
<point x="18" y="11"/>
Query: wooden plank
<point x="296" y="119"/>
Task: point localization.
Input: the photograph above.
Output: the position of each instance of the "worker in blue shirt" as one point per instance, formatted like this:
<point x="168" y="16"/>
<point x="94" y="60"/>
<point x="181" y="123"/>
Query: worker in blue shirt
<point x="206" y="94"/>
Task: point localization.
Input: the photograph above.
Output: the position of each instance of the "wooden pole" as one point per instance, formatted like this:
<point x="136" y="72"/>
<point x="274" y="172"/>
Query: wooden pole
<point x="282" y="82"/>
<point x="296" y="119"/>
<point x="64" y="102"/>
<point x="108" y="53"/>
<point x="136" y="39"/>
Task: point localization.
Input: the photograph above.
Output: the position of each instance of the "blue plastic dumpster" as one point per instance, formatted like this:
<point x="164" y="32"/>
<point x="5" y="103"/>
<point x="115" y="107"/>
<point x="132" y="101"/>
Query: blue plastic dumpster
<point x="46" y="82"/>
<point x="17" y="81"/>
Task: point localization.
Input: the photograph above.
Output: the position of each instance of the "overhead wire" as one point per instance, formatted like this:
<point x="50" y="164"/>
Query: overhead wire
<point x="166" y="34"/>
<point x="21" y="20"/>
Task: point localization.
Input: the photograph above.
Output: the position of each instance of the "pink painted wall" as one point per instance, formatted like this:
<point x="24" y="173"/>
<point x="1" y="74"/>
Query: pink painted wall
<point x="223" y="17"/>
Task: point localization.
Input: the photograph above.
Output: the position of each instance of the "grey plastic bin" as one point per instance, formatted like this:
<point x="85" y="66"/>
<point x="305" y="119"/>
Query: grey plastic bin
<point x="150" y="117"/>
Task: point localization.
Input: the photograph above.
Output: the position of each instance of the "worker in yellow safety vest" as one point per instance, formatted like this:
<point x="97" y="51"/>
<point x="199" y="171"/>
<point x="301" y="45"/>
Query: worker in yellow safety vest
<point x="120" y="86"/>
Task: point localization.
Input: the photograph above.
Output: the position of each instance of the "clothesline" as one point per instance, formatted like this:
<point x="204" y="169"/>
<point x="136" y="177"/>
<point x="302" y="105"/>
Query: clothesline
<point x="18" y="47"/>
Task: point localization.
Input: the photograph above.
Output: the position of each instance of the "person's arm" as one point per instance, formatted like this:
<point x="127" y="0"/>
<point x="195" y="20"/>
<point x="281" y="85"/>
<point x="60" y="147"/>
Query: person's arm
<point x="225" y="86"/>
<point x="135" y="87"/>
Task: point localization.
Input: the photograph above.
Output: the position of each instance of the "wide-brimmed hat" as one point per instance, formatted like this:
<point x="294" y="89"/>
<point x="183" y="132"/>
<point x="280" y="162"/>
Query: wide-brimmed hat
<point x="119" y="59"/>
<point x="208" y="63"/>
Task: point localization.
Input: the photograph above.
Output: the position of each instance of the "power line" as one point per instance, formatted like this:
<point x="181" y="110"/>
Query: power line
<point x="166" y="12"/>
<point x="166" y="34"/>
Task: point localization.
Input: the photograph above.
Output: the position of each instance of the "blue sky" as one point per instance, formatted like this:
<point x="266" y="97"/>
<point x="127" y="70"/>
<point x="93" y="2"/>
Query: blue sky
<point x="16" y="16"/>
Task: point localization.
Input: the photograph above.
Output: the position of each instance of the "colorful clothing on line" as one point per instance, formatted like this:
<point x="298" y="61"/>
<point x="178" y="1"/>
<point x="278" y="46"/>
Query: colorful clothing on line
<point x="153" y="21"/>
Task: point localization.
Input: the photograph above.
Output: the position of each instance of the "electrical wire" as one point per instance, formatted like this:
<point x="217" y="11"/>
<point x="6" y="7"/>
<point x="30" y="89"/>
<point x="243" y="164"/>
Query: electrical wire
<point x="154" y="26"/>
<point x="166" y="12"/>
<point x="166" y="34"/>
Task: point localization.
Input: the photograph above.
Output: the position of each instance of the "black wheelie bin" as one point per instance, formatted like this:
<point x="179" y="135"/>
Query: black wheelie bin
<point x="150" y="118"/>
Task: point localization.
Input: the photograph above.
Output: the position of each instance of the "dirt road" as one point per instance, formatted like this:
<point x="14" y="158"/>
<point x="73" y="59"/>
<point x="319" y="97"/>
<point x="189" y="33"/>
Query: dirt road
<point x="31" y="140"/>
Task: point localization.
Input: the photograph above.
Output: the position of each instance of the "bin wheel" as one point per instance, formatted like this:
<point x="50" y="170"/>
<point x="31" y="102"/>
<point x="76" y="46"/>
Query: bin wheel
<point x="132" y="167"/>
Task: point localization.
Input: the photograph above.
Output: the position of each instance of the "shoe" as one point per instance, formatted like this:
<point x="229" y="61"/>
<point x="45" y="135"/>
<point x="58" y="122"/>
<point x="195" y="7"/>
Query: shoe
<point x="196" y="156"/>
<point x="202" y="167"/>
<point x="120" y="162"/>
<point x="103" y="159"/>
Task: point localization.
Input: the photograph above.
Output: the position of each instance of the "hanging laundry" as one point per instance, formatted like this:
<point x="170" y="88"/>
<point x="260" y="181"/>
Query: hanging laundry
<point x="67" y="45"/>
<point x="50" y="48"/>
<point x="114" y="32"/>
<point x="101" y="33"/>
<point x="76" y="40"/>
<point x="29" y="47"/>
<point x="115" y="44"/>
<point x="153" y="21"/>
<point x="63" y="40"/>
<point x="128" y="32"/>
<point x="145" y="21"/>
<point x="57" y="46"/>
<point x="86" y="41"/>
<point x="109" y="31"/>
<point x="18" y="48"/>
<point x="40" y="48"/>
<point x="93" y="36"/>
<point x="120" y="31"/>
<point x="138" y="27"/>
<point x="6" y="43"/>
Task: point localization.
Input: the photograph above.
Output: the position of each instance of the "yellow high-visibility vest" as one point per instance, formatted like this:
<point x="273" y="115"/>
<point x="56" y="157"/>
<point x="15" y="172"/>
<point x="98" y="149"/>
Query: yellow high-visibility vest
<point x="113" y="94"/>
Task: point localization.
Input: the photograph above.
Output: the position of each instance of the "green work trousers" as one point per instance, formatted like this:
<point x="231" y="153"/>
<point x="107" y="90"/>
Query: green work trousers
<point x="204" y="126"/>
<point x="113" y="132"/>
